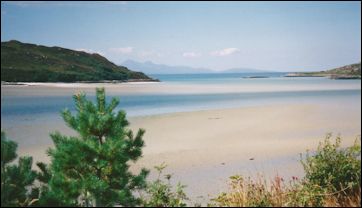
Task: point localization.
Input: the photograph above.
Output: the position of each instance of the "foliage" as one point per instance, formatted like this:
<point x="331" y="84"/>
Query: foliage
<point x="294" y="193"/>
<point x="21" y="62"/>
<point x="92" y="169"/>
<point x="333" y="178"/>
<point x="15" y="179"/>
<point x="348" y="71"/>
<point x="160" y="193"/>
<point x="246" y="192"/>
<point x="333" y="167"/>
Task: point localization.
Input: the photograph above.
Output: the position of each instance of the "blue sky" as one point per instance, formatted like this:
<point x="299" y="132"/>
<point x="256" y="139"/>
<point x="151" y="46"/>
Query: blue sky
<point x="282" y="36"/>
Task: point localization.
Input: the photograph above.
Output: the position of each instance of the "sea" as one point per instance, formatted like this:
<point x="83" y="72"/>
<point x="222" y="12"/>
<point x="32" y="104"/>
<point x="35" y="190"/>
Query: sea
<point x="288" y="90"/>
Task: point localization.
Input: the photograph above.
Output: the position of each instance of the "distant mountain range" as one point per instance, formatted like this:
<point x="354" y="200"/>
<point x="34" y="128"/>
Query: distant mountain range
<point x="149" y="67"/>
<point x="24" y="62"/>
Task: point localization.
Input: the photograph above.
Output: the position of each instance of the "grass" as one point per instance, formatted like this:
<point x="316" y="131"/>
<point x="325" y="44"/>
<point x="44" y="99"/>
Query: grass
<point x="22" y="62"/>
<point x="246" y="192"/>
<point x="332" y="179"/>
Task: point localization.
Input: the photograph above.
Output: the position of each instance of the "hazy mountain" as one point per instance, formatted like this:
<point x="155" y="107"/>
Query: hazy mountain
<point x="24" y="62"/>
<point x="149" y="67"/>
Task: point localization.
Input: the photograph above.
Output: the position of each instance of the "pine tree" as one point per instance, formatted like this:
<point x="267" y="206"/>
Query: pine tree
<point x="92" y="169"/>
<point x="15" y="179"/>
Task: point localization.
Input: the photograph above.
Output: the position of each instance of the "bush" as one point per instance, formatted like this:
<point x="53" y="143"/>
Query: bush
<point x="334" y="168"/>
<point x="15" y="179"/>
<point x="160" y="194"/>
<point x="246" y="192"/>
<point x="333" y="178"/>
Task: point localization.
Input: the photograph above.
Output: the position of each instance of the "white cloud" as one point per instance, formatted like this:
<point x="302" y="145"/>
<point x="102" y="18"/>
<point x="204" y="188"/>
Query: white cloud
<point x="90" y="51"/>
<point x="191" y="54"/>
<point x="224" y="52"/>
<point x="125" y="50"/>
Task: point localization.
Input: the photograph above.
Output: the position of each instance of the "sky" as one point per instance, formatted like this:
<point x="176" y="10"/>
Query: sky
<point x="279" y="36"/>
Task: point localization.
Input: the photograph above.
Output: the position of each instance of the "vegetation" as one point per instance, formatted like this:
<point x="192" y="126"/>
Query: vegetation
<point x="92" y="169"/>
<point x="15" y="179"/>
<point x="334" y="168"/>
<point x="352" y="71"/>
<point x="160" y="193"/>
<point x="22" y="62"/>
<point x="333" y="178"/>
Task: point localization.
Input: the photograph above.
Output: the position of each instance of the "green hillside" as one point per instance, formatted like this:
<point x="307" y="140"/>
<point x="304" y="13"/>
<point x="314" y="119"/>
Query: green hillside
<point x="22" y="62"/>
<point x="352" y="71"/>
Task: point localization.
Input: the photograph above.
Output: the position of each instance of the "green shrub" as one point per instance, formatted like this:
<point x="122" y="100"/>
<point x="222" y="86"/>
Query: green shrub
<point x="332" y="178"/>
<point x="92" y="169"/>
<point x="160" y="193"/>
<point x="15" y="179"/>
<point x="332" y="167"/>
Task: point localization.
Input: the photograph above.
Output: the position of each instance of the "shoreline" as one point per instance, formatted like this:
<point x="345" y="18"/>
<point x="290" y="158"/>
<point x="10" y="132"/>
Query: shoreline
<point x="165" y="88"/>
<point x="5" y="83"/>
<point x="203" y="148"/>
<point x="328" y="75"/>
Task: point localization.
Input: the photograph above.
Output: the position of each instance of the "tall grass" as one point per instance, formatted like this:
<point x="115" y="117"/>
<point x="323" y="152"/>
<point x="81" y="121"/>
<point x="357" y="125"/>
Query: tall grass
<point x="332" y="179"/>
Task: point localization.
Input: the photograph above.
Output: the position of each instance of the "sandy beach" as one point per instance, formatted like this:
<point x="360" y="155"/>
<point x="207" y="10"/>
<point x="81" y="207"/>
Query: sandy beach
<point x="64" y="89"/>
<point x="203" y="148"/>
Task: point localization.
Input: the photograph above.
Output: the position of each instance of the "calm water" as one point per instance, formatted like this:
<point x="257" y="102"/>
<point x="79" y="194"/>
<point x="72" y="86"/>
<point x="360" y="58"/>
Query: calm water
<point x="27" y="108"/>
<point x="215" y="78"/>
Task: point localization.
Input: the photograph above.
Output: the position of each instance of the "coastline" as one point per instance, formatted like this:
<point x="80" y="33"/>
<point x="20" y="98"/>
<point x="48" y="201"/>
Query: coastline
<point x="352" y="71"/>
<point x="203" y="148"/>
<point x="141" y="88"/>
<point x="82" y="82"/>
<point x="319" y="74"/>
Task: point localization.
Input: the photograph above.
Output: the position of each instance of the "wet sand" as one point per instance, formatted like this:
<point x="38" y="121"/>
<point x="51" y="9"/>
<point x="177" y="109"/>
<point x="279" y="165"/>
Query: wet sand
<point x="65" y="89"/>
<point x="203" y="148"/>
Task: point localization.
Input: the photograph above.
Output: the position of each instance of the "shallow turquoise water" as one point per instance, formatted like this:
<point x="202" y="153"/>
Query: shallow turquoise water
<point x="346" y="91"/>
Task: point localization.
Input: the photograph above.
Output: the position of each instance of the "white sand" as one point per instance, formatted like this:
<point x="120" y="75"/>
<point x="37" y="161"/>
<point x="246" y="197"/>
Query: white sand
<point x="66" y="89"/>
<point x="203" y="148"/>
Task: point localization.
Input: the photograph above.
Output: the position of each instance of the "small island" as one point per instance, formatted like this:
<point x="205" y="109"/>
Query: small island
<point x="24" y="62"/>
<point x="352" y="71"/>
